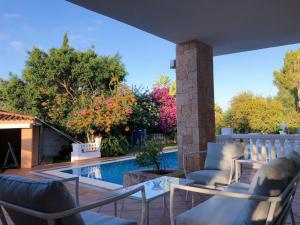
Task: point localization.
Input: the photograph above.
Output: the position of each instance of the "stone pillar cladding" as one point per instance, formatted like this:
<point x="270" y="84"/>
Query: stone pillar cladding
<point x="194" y="100"/>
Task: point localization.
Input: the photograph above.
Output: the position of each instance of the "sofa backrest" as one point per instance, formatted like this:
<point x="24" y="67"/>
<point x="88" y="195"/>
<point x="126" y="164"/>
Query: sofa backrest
<point x="295" y="157"/>
<point x="219" y="156"/>
<point x="270" y="180"/>
<point x="47" y="196"/>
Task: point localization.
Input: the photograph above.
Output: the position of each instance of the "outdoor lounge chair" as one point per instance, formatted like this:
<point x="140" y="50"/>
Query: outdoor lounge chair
<point x="267" y="200"/>
<point x="39" y="202"/>
<point x="219" y="165"/>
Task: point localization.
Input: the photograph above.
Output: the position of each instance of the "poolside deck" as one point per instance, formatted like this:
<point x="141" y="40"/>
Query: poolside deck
<point x="132" y="209"/>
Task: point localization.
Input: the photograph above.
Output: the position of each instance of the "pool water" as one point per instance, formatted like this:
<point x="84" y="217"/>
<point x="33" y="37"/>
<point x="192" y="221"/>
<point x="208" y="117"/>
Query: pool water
<point x="113" y="171"/>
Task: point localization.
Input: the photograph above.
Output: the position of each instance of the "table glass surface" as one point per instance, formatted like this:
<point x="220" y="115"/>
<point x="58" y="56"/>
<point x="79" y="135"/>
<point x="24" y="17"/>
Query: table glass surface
<point x="153" y="191"/>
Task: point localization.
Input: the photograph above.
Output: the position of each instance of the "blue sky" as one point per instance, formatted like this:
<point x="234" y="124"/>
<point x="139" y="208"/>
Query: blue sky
<point x="24" y="24"/>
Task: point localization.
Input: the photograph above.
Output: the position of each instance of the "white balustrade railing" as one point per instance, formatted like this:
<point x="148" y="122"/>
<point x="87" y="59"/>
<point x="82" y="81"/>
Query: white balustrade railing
<point x="264" y="147"/>
<point x="85" y="151"/>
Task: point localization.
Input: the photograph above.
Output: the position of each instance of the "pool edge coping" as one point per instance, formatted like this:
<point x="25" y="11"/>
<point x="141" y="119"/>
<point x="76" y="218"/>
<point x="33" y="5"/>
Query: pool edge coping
<point x="99" y="184"/>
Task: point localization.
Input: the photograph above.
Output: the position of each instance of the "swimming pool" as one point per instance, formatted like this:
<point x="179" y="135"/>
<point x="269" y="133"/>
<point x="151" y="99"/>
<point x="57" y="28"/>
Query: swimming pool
<point x="110" y="174"/>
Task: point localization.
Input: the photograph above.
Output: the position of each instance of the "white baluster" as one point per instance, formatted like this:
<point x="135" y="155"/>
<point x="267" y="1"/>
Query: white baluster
<point x="293" y="145"/>
<point x="258" y="149"/>
<point x="287" y="147"/>
<point x="263" y="150"/>
<point x="272" y="150"/>
<point x="297" y="146"/>
<point x="246" y="148"/>
<point x="281" y="148"/>
<point x="254" y="155"/>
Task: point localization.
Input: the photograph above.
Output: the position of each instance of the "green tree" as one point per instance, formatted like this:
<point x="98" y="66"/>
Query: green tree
<point x="292" y="120"/>
<point x="145" y="113"/>
<point x="163" y="81"/>
<point x="251" y="113"/>
<point x="2" y="97"/>
<point x="12" y="93"/>
<point x="287" y="80"/>
<point x="151" y="155"/>
<point x="267" y="116"/>
<point x="228" y="119"/>
<point x="219" y="121"/>
<point x="53" y="81"/>
<point x="173" y="88"/>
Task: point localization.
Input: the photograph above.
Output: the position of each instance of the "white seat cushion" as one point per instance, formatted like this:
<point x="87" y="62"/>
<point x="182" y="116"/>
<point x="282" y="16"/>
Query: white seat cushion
<point x="215" y="211"/>
<point x="209" y="177"/>
<point x="92" y="218"/>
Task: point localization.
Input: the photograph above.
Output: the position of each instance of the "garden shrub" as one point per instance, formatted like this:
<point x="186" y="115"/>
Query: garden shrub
<point x="114" y="146"/>
<point x="151" y="155"/>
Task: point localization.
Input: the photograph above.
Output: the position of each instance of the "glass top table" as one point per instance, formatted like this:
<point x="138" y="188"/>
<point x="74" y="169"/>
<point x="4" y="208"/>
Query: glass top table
<point x="159" y="186"/>
<point x="155" y="188"/>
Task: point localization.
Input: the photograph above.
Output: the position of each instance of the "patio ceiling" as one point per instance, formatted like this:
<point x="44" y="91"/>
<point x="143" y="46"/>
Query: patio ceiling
<point x="228" y="26"/>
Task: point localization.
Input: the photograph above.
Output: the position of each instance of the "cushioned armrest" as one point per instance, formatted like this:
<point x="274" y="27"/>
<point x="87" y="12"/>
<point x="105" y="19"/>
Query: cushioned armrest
<point x="76" y="179"/>
<point x="247" y="161"/>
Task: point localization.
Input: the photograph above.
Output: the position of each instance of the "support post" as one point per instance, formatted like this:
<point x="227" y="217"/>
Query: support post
<point x="194" y="99"/>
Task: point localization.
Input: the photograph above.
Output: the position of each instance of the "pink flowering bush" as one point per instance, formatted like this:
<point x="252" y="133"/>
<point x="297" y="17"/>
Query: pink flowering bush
<point x="167" y="108"/>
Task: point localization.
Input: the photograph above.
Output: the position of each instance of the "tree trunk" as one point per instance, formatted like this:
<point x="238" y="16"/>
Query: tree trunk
<point x="98" y="140"/>
<point x="90" y="137"/>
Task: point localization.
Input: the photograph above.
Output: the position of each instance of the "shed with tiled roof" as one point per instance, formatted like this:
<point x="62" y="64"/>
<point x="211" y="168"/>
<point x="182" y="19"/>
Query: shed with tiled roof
<point x="33" y="140"/>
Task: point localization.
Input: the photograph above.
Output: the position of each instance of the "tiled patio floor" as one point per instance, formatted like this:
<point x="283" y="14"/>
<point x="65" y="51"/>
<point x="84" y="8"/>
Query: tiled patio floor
<point x="132" y="209"/>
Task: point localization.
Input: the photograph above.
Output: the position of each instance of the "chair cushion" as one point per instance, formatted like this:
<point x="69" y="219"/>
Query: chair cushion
<point x="42" y="195"/>
<point x="209" y="177"/>
<point x="215" y="211"/>
<point x="219" y="156"/>
<point x="92" y="218"/>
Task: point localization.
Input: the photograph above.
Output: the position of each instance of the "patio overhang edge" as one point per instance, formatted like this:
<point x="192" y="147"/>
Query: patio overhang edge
<point x="227" y="26"/>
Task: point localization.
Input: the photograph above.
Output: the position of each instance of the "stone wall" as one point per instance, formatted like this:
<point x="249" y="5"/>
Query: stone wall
<point x="194" y="99"/>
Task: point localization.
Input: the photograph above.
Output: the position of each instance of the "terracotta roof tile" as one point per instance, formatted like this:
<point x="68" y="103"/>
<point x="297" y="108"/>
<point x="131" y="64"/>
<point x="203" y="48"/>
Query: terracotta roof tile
<point x="9" y="116"/>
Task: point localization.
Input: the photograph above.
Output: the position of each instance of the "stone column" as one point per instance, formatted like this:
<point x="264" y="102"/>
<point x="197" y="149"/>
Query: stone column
<point x="194" y="99"/>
